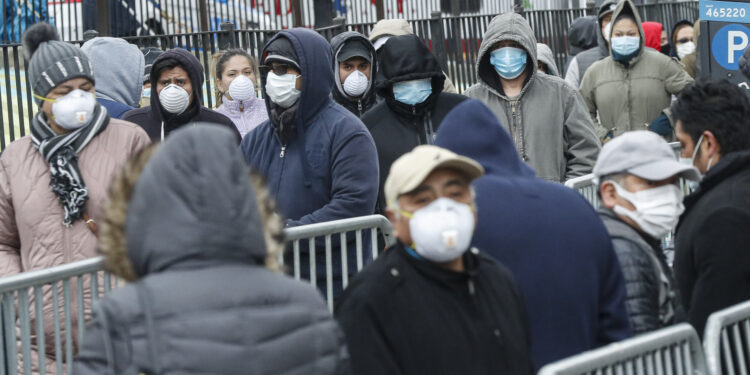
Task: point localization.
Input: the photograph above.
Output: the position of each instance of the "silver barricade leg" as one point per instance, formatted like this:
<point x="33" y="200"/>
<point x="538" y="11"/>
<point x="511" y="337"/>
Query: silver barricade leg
<point x="40" y="333"/>
<point x="726" y="351"/>
<point x="23" y="317"/>
<point x="329" y="273"/>
<point x="738" y="345"/>
<point x="344" y="260"/>
<point x="374" y="242"/>
<point x="358" y="236"/>
<point x="9" y="316"/>
<point x="58" y="334"/>
<point x="311" y="254"/>
<point x="67" y="306"/>
<point x="81" y="318"/>
<point x="296" y="260"/>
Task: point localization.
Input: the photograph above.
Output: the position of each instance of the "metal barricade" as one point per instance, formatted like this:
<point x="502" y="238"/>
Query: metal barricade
<point x="586" y="186"/>
<point x="28" y="299"/>
<point x="726" y="340"/>
<point x="66" y="293"/>
<point x="327" y="230"/>
<point x="669" y="351"/>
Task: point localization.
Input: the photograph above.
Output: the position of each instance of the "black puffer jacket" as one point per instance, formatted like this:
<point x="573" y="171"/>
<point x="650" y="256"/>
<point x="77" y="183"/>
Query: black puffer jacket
<point x="358" y="106"/>
<point x="651" y="300"/>
<point x="397" y="127"/>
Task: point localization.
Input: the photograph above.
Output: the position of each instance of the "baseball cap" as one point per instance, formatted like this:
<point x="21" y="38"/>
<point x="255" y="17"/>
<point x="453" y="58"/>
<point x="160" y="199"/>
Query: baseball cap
<point x="354" y="48"/>
<point x="408" y="171"/>
<point x="643" y="154"/>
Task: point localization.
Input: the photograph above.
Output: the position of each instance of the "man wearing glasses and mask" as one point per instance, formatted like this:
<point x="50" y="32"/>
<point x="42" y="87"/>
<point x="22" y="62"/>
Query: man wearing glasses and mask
<point x="319" y="159"/>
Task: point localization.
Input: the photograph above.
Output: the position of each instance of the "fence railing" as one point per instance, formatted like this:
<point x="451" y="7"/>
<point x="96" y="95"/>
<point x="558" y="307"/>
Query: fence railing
<point x="726" y="340"/>
<point x="43" y="312"/>
<point x="454" y="40"/>
<point x="669" y="351"/>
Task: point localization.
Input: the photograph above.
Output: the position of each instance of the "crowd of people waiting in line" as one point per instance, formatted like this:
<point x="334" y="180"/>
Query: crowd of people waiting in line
<point x="497" y="267"/>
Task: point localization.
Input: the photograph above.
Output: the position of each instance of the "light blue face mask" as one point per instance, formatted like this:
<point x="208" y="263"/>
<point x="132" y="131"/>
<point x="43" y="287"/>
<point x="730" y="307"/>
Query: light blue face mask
<point x="412" y="92"/>
<point x="626" y="45"/>
<point x="509" y="62"/>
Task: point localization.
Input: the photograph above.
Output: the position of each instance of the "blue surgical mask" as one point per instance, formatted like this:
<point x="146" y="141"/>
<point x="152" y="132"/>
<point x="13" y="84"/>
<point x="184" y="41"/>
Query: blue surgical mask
<point x="412" y="92"/>
<point x="626" y="45"/>
<point x="509" y="62"/>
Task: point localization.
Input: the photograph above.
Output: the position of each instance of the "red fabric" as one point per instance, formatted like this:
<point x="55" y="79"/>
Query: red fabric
<point x="653" y="34"/>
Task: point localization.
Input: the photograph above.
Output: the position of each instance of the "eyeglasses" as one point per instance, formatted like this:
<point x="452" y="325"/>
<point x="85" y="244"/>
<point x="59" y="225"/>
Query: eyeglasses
<point x="278" y="69"/>
<point x="683" y="40"/>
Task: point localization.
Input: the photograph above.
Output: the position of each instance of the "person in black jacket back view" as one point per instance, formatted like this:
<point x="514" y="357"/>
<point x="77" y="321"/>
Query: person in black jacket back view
<point x="641" y="202"/>
<point x="411" y="81"/>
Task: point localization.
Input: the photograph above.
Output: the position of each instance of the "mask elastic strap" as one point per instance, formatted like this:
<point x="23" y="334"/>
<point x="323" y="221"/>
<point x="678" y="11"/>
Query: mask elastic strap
<point x="45" y="99"/>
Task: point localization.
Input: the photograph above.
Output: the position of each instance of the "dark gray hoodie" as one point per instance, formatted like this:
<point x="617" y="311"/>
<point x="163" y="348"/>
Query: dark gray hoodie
<point x="196" y="242"/>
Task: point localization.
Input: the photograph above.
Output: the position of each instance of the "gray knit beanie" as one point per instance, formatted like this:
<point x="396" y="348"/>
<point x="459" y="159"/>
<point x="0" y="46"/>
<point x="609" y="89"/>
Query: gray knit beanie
<point x="51" y="61"/>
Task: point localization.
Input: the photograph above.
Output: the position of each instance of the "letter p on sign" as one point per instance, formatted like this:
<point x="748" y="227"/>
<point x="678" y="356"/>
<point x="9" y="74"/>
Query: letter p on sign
<point x="737" y="42"/>
<point x="728" y="44"/>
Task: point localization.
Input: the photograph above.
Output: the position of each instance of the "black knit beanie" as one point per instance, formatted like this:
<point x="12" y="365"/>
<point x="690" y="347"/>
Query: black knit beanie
<point x="51" y="61"/>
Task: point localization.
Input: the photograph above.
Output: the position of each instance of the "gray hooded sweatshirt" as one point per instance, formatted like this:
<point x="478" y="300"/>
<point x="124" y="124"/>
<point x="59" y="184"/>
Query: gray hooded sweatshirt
<point x="546" y="57"/>
<point x="118" y="67"/>
<point x="195" y="239"/>
<point x="548" y="121"/>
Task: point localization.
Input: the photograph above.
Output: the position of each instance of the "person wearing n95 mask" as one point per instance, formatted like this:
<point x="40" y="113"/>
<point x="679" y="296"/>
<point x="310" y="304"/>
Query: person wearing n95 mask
<point x="236" y="96"/>
<point x="319" y="158"/>
<point x="177" y="80"/>
<point x="641" y="202"/>
<point x="354" y="68"/>
<point x="432" y="284"/>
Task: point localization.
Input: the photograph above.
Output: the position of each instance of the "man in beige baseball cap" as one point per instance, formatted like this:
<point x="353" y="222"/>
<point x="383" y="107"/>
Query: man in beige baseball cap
<point x="429" y="286"/>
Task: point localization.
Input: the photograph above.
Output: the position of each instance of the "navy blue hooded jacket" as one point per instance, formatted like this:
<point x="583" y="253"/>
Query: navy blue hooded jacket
<point x="329" y="169"/>
<point x="547" y="235"/>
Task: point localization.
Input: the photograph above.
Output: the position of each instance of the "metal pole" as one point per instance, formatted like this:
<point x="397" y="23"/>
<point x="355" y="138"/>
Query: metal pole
<point x="203" y="9"/>
<point x="380" y="9"/>
<point x="438" y="39"/>
<point x="518" y="6"/>
<point x="297" y="13"/>
<point x="227" y="38"/>
<point x="323" y="13"/>
<point x="103" y="17"/>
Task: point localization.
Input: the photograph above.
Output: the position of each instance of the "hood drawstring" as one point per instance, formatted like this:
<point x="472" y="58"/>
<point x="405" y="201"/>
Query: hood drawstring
<point x="430" y="131"/>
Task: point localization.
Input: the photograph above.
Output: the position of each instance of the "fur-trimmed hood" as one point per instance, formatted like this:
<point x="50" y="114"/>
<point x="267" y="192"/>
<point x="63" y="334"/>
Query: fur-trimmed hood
<point x="184" y="206"/>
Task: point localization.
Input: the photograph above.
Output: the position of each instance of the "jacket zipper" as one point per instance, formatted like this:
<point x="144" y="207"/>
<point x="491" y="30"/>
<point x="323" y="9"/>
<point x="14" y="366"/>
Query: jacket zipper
<point x="283" y="151"/>
<point x="359" y="107"/>
<point x="517" y="133"/>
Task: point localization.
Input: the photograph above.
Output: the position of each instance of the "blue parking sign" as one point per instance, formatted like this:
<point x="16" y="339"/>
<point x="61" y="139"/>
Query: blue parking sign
<point x="728" y="44"/>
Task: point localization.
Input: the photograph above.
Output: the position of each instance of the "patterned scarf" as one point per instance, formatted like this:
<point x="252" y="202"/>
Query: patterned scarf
<point x="60" y="151"/>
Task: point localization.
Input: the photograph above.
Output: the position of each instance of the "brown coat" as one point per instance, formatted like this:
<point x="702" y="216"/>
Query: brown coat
<point x="32" y="234"/>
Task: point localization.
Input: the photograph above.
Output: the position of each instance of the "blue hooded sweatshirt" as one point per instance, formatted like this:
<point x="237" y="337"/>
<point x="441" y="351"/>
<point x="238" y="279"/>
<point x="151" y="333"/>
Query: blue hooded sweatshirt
<point x="547" y="235"/>
<point x="329" y="168"/>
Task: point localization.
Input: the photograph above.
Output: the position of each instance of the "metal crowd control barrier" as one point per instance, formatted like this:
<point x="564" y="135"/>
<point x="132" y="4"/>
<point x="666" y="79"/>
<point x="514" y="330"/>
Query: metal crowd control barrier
<point x="327" y="230"/>
<point x="586" y="186"/>
<point x="27" y="300"/>
<point x="726" y="340"/>
<point x="674" y="350"/>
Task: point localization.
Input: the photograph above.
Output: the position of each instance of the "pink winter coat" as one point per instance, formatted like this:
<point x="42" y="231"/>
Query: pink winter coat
<point x="32" y="234"/>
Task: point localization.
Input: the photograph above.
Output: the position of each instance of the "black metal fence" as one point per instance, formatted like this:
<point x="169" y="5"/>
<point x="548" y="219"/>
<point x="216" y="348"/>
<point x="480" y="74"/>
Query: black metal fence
<point x="454" y="40"/>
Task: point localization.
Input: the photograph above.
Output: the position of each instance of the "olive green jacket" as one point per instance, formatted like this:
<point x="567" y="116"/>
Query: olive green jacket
<point x="628" y="99"/>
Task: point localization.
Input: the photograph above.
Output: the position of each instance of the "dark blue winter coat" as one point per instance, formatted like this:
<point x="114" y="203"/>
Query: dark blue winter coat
<point x="547" y="235"/>
<point x="329" y="169"/>
<point x="114" y="109"/>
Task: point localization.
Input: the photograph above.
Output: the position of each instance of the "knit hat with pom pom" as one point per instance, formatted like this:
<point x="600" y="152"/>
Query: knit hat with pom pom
<point x="51" y="61"/>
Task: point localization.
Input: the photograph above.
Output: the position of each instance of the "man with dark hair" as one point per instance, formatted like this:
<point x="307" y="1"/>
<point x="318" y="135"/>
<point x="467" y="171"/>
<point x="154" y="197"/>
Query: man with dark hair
<point x="354" y="69"/>
<point x="176" y="97"/>
<point x="712" y="246"/>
